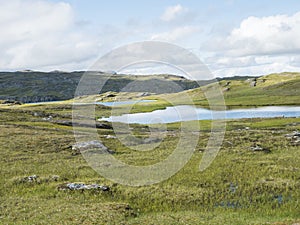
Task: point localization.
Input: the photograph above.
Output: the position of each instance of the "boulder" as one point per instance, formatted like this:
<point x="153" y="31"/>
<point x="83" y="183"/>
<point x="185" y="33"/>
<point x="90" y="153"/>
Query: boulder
<point x="82" y="186"/>
<point x="91" y="145"/>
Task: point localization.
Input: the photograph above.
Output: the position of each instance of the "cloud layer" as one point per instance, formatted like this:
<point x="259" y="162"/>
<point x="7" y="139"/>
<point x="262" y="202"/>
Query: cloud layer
<point x="266" y="35"/>
<point x="45" y="35"/>
<point x="37" y="34"/>
<point x="259" y="45"/>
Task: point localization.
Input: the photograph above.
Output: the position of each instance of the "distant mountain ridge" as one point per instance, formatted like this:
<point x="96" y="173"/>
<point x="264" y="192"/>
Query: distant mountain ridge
<point x="34" y="86"/>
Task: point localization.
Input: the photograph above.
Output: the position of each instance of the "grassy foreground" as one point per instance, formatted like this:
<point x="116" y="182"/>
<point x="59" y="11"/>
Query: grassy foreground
<point x="240" y="187"/>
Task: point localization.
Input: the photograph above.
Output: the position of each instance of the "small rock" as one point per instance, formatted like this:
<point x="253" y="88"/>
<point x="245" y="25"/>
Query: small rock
<point x="32" y="178"/>
<point x="258" y="148"/>
<point x="142" y="94"/>
<point x="55" y="177"/>
<point x="110" y="136"/>
<point x="104" y="188"/>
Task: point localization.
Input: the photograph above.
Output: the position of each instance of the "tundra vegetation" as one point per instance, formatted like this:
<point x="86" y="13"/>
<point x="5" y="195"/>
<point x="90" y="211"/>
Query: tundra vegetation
<point x="255" y="179"/>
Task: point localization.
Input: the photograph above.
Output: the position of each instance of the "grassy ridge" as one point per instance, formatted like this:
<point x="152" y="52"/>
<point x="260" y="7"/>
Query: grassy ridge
<point x="273" y="89"/>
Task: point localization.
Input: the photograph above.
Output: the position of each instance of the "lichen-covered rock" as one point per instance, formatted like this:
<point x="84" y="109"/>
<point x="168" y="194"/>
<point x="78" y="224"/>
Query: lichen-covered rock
<point x="82" y="186"/>
<point x="91" y="145"/>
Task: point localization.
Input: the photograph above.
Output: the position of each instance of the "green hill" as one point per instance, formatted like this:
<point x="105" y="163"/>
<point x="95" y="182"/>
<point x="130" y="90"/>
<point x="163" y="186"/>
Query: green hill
<point x="32" y="86"/>
<point x="273" y="89"/>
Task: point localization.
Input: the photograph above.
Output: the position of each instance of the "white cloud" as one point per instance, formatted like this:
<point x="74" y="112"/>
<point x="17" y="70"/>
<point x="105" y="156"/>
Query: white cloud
<point x="172" y="12"/>
<point x="176" y="34"/>
<point x="259" y="45"/>
<point x="45" y="35"/>
<point x="37" y="34"/>
<point x="257" y="36"/>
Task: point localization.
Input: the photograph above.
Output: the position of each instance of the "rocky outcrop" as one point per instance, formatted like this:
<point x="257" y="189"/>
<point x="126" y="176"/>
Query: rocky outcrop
<point x="71" y="123"/>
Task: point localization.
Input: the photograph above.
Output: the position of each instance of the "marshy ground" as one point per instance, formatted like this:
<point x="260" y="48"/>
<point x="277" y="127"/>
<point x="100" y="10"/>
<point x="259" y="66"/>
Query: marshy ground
<point x="241" y="186"/>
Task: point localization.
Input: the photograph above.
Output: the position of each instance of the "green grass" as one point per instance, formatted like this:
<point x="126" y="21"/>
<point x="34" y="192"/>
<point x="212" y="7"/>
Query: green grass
<point x="31" y="145"/>
<point x="274" y="89"/>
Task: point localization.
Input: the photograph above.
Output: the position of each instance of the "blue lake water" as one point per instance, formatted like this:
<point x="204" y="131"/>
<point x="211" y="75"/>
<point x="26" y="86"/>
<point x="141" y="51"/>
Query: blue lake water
<point x="188" y="113"/>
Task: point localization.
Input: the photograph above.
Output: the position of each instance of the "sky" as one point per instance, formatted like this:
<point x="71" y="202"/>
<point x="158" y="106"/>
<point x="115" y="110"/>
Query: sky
<point x="231" y="37"/>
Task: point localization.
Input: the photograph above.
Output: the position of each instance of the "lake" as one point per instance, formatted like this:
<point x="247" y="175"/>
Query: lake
<point x="188" y="113"/>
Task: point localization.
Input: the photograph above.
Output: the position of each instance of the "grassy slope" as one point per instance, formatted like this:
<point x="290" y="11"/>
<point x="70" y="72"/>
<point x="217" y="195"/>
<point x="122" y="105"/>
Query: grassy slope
<point x="35" y="146"/>
<point x="273" y="89"/>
